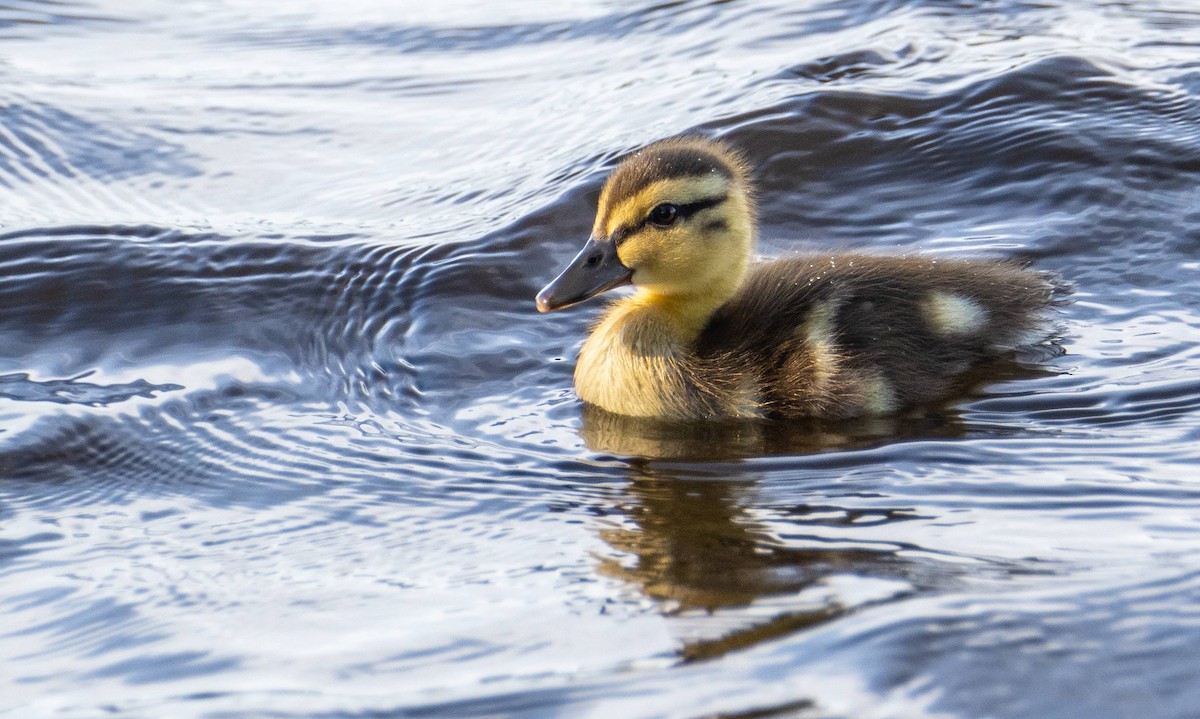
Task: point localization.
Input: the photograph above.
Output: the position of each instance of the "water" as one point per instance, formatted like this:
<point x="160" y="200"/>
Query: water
<point x="281" y="433"/>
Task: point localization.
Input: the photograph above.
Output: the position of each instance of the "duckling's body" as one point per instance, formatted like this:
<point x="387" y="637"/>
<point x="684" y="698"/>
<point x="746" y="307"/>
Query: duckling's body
<point x="708" y="336"/>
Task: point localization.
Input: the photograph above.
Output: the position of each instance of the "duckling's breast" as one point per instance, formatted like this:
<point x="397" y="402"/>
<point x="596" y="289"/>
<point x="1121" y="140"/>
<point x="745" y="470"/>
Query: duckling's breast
<point x="623" y="371"/>
<point x="637" y="363"/>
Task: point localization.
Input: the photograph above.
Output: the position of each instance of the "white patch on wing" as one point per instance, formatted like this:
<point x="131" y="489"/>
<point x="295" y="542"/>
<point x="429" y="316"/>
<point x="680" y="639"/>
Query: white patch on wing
<point x="953" y="315"/>
<point x="878" y="396"/>
<point x="819" y="336"/>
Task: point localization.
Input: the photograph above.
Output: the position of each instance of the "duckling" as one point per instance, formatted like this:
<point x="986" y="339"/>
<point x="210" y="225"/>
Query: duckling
<point x="709" y="335"/>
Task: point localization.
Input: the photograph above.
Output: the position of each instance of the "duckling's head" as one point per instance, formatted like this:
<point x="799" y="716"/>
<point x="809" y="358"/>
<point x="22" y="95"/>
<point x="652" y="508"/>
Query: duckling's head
<point x="675" y="219"/>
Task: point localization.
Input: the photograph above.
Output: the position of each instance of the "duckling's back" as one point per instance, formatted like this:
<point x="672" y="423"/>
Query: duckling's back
<point x="850" y="335"/>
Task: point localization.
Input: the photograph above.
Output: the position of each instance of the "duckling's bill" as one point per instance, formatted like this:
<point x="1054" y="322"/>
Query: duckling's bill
<point x="596" y="269"/>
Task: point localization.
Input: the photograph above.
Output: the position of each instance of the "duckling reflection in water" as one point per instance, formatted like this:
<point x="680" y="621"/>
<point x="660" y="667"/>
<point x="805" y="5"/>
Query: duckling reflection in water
<point x="708" y="335"/>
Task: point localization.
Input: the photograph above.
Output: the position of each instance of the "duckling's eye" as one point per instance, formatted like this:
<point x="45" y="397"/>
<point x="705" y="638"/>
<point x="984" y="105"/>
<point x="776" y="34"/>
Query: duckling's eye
<point x="664" y="215"/>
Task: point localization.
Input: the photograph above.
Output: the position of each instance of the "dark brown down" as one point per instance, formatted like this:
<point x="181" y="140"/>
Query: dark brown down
<point x="876" y="327"/>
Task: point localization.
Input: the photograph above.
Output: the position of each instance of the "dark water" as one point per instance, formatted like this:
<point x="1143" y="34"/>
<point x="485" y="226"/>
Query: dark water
<point x="282" y="435"/>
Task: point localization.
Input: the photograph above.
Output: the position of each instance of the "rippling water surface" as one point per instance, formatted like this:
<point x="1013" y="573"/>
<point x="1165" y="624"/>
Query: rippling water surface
<point x="281" y="433"/>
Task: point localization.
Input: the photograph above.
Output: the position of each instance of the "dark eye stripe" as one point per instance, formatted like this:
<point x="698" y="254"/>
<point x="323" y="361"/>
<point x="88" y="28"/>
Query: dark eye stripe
<point x="691" y="208"/>
<point x="682" y="212"/>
